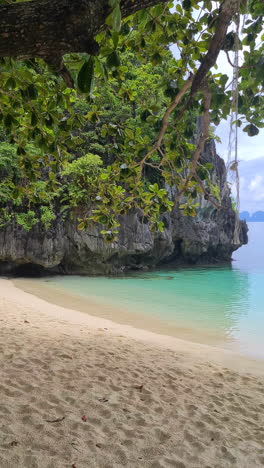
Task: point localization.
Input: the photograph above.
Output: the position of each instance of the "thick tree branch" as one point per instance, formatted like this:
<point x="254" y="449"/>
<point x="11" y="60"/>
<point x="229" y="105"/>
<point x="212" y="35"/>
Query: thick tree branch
<point x="52" y="28"/>
<point x="227" y="11"/>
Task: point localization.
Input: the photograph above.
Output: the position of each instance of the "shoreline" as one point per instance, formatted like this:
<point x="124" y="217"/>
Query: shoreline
<point x="200" y="351"/>
<point x="84" y="392"/>
<point x="93" y="306"/>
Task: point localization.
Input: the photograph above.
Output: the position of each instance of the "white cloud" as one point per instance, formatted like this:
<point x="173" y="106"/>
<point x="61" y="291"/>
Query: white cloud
<point x="255" y="183"/>
<point x="252" y="185"/>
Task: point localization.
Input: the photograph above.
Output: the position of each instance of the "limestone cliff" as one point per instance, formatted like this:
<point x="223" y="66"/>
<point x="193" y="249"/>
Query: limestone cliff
<point x="207" y="238"/>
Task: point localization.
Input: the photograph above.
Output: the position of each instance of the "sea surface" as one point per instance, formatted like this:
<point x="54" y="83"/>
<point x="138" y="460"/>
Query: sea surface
<point x="217" y="305"/>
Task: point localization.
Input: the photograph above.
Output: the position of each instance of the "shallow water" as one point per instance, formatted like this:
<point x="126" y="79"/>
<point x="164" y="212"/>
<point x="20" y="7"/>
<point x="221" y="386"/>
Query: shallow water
<point x="220" y="305"/>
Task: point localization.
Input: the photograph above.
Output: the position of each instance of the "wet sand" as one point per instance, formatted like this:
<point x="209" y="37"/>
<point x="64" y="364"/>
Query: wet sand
<point x="99" y="307"/>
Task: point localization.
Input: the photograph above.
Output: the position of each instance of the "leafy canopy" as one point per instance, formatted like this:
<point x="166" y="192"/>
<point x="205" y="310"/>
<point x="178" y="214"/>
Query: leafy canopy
<point x="131" y="119"/>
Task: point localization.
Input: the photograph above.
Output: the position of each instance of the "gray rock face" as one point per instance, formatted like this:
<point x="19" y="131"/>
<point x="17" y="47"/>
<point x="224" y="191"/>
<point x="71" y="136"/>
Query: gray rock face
<point x="207" y="238"/>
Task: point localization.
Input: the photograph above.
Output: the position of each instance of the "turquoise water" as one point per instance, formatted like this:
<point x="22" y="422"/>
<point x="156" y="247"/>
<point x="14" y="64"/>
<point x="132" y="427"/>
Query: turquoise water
<point x="222" y="305"/>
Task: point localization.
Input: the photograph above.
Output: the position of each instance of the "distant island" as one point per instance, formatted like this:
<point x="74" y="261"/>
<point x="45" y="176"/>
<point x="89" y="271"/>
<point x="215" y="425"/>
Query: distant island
<point x="258" y="216"/>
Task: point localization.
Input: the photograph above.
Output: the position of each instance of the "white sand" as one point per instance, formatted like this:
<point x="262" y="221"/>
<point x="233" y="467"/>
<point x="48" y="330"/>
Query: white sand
<point x="150" y="400"/>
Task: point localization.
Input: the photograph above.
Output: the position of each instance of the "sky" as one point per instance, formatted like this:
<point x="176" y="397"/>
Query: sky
<point x="252" y="184"/>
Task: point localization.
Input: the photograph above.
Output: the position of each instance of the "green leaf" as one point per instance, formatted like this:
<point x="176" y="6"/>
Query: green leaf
<point x="32" y="91"/>
<point x="21" y="151"/>
<point x="229" y="42"/>
<point x="179" y="8"/>
<point x="49" y="121"/>
<point x="52" y="176"/>
<point x="81" y="226"/>
<point x="223" y="80"/>
<point x="156" y="59"/>
<point x="16" y="193"/>
<point x="145" y="114"/>
<point x="113" y="3"/>
<point x="259" y="8"/>
<point x="116" y="18"/>
<point x="34" y="119"/>
<point x="104" y="176"/>
<point x="129" y="133"/>
<point x="115" y="38"/>
<point x="101" y="69"/>
<point x="113" y="60"/>
<point x="251" y="130"/>
<point x="8" y="120"/>
<point x="86" y="76"/>
<point x="187" y="4"/>
<point x="10" y="83"/>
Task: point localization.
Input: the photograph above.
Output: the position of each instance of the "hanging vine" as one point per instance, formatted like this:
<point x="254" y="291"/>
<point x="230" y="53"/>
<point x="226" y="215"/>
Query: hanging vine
<point x="232" y="159"/>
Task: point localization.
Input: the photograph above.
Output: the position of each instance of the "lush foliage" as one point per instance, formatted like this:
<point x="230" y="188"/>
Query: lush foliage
<point x="114" y="117"/>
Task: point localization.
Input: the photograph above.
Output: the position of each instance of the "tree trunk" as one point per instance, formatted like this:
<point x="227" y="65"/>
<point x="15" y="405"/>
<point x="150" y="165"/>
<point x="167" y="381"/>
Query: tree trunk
<point x="51" y="28"/>
<point x="48" y="29"/>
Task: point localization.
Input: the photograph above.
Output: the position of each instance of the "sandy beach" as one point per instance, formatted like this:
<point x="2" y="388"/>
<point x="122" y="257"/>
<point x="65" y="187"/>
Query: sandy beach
<point x="80" y="391"/>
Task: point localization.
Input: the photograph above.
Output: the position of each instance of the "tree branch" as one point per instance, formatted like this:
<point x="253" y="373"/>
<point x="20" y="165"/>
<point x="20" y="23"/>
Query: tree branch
<point x="200" y="146"/>
<point x="232" y="64"/>
<point x="207" y="195"/>
<point x="227" y="11"/>
<point x="59" y="67"/>
<point x="165" y="122"/>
